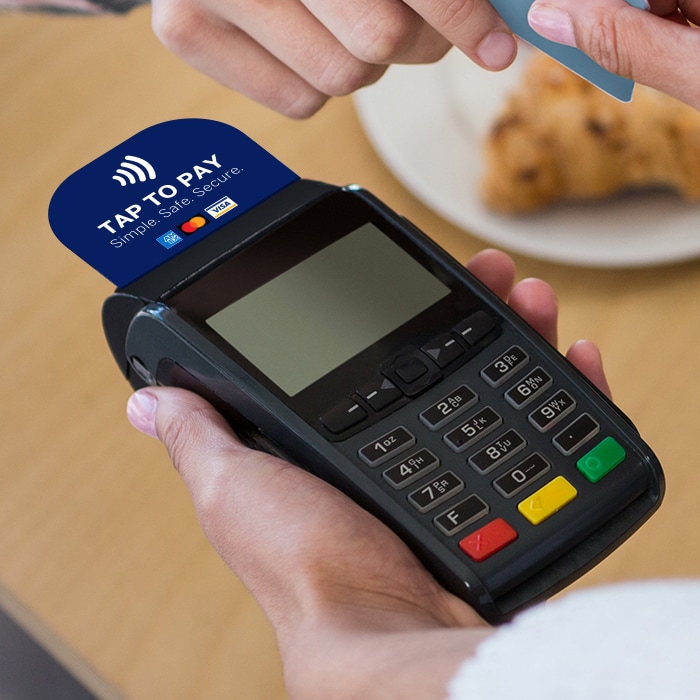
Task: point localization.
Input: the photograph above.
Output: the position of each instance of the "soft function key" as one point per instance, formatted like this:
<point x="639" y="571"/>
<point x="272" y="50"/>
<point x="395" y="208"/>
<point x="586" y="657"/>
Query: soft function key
<point x="443" y="349"/>
<point x="475" y="327"/>
<point x="380" y="393"/>
<point x="344" y="416"/>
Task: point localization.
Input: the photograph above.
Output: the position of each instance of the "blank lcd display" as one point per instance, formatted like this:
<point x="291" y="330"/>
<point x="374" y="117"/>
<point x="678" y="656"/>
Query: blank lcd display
<point x="304" y="323"/>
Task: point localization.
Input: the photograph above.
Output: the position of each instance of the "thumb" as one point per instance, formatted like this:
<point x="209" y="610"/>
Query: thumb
<point x="655" y="51"/>
<point x="267" y="519"/>
<point x="233" y="488"/>
<point x="199" y="442"/>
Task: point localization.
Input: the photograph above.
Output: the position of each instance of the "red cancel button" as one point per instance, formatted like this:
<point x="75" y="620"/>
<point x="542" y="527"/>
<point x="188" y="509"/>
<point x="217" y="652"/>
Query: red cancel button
<point x="488" y="540"/>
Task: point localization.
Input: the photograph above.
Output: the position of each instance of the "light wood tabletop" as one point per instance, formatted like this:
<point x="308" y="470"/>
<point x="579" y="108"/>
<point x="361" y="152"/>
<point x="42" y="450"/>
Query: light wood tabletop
<point x="100" y="553"/>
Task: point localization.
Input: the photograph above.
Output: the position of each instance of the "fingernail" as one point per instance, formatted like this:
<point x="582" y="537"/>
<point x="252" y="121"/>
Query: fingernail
<point x="497" y="50"/>
<point x="141" y="412"/>
<point x="552" y="23"/>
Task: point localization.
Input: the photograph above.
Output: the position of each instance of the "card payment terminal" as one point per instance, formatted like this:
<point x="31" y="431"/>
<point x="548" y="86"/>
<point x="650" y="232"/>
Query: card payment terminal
<point x="329" y="330"/>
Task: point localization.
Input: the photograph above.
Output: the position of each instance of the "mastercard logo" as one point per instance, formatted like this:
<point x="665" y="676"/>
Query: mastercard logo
<point x="193" y="224"/>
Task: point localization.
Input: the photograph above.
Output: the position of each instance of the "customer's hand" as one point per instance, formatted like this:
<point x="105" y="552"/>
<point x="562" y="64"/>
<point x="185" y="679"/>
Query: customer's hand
<point x="356" y="615"/>
<point x="292" y="55"/>
<point x="659" y="48"/>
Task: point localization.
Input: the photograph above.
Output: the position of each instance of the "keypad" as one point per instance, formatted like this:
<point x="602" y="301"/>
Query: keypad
<point x="468" y="467"/>
<point x="488" y="540"/>
<point x="601" y="460"/>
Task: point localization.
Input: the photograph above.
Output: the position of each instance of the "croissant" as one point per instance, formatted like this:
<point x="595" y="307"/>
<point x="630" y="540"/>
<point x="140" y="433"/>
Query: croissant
<point x="560" y="138"/>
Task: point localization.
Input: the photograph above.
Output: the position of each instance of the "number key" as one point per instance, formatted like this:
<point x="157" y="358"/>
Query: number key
<point x="449" y="407"/>
<point x="503" y="366"/>
<point x="411" y="469"/>
<point x="387" y="446"/>
<point x="480" y="424"/>
<point x="437" y="491"/>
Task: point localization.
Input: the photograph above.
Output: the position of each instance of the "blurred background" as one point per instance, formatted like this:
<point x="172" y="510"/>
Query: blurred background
<point x="101" y="557"/>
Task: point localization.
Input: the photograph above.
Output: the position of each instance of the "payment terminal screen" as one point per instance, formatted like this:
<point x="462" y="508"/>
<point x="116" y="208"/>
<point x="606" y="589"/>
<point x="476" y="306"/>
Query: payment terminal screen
<point x="309" y="320"/>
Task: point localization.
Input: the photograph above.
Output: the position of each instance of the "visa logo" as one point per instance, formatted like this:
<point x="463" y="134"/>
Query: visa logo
<point x="220" y="207"/>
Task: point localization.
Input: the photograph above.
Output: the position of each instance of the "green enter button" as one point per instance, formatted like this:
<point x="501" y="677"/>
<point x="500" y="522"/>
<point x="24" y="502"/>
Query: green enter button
<point x="601" y="460"/>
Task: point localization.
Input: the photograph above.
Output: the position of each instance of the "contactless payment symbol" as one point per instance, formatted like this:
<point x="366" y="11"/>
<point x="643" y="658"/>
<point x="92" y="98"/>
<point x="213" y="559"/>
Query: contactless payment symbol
<point x="159" y="193"/>
<point x="132" y="170"/>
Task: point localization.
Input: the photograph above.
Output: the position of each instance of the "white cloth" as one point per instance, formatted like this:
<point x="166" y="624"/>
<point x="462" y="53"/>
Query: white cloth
<point x="636" y="641"/>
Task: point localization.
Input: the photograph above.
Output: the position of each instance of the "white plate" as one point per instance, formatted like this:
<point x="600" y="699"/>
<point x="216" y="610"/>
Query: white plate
<point x="427" y="124"/>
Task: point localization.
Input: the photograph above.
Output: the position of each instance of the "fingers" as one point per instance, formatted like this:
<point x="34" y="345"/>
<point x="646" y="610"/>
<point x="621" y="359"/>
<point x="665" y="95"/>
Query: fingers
<point x="536" y="302"/>
<point x="223" y="52"/>
<point x="474" y="27"/>
<point x="292" y="55"/>
<point x="295" y="36"/>
<point x="380" y="32"/>
<point x="628" y="41"/>
<point x="495" y="269"/>
<point x="532" y="299"/>
<point x="585" y="356"/>
<point x="681" y="11"/>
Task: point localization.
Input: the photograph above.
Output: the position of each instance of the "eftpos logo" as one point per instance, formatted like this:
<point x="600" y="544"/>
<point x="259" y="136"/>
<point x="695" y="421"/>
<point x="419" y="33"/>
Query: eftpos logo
<point x="132" y="170"/>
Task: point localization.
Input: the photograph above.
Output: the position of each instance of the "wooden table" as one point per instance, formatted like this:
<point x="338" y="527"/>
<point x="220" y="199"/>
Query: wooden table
<point x="100" y="553"/>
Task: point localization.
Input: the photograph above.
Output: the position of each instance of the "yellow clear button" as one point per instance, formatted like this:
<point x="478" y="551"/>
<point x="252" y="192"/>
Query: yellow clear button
<point x="547" y="500"/>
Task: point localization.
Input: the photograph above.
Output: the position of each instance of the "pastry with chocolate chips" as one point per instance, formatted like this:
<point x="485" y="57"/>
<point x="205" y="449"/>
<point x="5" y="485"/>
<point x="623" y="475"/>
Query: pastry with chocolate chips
<point x="560" y="138"/>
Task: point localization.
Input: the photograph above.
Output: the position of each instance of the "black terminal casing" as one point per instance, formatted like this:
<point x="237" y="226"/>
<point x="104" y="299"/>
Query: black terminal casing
<point x="154" y="342"/>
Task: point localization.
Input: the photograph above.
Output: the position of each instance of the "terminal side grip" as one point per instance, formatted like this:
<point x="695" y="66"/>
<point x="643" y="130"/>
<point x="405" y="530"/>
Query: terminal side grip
<point x="118" y="311"/>
<point x="170" y="373"/>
